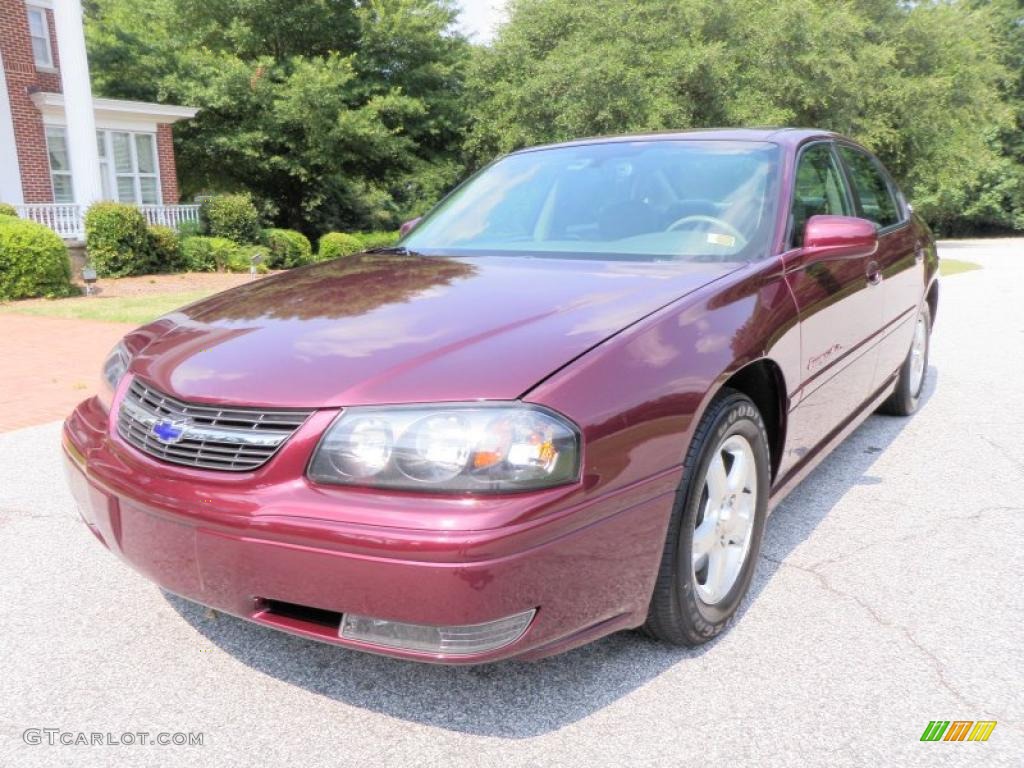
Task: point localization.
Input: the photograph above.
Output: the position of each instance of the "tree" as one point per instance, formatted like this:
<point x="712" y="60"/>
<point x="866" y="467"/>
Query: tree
<point x="918" y="83"/>
<point x="335" y="114"/>
<point x="1004" y="191"/>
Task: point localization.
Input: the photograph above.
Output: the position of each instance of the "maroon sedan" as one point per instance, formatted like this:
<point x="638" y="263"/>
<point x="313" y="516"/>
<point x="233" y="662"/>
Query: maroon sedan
<point x="561" y="407"/>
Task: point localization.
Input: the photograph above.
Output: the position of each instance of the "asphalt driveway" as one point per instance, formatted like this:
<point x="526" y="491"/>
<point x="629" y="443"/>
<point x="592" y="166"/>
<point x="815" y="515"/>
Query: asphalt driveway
<point x="890" y="593"/>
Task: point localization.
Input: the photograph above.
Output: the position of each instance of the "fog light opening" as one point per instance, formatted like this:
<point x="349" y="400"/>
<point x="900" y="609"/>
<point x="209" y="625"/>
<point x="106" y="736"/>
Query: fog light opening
<point x="451" y="640"/>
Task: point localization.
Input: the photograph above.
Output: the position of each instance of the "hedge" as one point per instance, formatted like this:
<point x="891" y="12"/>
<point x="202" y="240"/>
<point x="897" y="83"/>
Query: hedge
<point x="205" y="254"/>
<point x="166" y="248"/>
<point x="377" y="239"/>
<point x="117" y="241"/>
<point x="33" y="261"/>
<point x="6" y="209"/>
<point x="232" y="216"/>
<point x="336" y="244"/>
<point x="241" y="259"/>
<point x="288" y="248"/>
<point x="218" y="254"/>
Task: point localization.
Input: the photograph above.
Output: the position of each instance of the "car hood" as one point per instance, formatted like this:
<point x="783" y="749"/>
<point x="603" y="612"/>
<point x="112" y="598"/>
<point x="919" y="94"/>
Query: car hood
<point x="391" y="328"/>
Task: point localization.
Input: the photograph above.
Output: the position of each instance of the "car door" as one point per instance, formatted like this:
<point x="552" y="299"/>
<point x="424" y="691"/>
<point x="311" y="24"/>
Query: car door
<point x="899" y="260"/>
<point x="838" y="308"/>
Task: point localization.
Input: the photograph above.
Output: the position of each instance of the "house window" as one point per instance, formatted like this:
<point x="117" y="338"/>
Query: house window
<point x="129" y="167"/>
<point x="60" y="165"/>
<point x="101" y="150"/>
<point x="39" y="31"/>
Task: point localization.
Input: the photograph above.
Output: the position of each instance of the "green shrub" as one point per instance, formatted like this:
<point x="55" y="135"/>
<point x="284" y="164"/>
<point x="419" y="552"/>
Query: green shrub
<point x="336" y="244"/>
<point x="166" y="247"/>
<point x="232" y="216"/>
<point x="189" y="229"/>
<point x="197" y="254"/>
<point x="207" y="254"/>
<point x="288" y="248"/>
<point x="117" y="240"/>
<point x="6" y="209"/>
<point x="241" y="259"/>
<point x="33" y="261"/>
<point x="377" y="239"/>
<point x="218" y="254"/>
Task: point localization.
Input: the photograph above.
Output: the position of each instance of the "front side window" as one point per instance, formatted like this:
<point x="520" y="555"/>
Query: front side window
<point x="627" y="200"/>
<point x="818" y="190"/>
<point x="39" y="31"/>
<point x="134" y="167"/>
<point x="877" y="202"/>
<point x="60" y="164"/>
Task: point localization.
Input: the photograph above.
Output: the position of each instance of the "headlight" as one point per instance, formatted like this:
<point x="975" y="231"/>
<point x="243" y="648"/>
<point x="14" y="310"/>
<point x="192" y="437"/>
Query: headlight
<point x="458" y="448"/>
<point x="114" y="369"/>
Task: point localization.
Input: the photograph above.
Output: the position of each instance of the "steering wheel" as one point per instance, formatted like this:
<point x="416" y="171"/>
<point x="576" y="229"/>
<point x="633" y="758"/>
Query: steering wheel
<point x="700" y="218"/>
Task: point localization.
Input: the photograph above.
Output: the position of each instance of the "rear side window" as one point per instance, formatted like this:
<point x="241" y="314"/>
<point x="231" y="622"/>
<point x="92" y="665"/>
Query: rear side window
<point x="819" y="189"/>
<point x="877" y="202"/>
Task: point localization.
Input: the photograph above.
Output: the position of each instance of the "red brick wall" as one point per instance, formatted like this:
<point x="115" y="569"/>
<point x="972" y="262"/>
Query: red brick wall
<point x="22" y="79"/>
<point x="168" y="168"/>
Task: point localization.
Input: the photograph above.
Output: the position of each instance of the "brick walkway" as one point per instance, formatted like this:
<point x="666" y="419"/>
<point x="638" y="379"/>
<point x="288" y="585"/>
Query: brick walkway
<point x="48" y="365"/>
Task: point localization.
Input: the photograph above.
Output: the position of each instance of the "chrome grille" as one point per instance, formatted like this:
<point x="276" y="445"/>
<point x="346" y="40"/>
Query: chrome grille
<point x="205" y="436"/>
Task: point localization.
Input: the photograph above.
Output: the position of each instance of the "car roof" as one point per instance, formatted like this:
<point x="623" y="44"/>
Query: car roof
<point x="790" y="137"/>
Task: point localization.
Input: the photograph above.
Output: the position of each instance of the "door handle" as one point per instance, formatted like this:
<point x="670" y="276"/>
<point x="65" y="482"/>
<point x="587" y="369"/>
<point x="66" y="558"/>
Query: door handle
<point x="874" y="273"/>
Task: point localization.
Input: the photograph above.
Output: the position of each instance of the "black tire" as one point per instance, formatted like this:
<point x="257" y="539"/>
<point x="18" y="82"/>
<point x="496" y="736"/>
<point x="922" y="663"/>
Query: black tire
<point x="677" y="614"/>
<point x="904" y="402"/>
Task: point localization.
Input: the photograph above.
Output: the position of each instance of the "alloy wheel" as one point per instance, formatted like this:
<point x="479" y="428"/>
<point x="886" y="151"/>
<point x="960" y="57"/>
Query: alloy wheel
<point x="722" y="533"/>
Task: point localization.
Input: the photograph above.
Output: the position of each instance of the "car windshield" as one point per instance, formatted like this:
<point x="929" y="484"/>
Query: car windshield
<point x="670" y="199"/>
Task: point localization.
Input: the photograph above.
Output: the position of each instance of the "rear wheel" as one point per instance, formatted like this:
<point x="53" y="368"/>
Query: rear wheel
<point x="914" y="371"/>
<point x="715" y="532"/>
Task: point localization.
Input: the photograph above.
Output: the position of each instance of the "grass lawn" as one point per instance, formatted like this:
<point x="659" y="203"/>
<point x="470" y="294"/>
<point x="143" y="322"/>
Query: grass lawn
<point x="949" y="267"/>
<point x="114" y="309"/>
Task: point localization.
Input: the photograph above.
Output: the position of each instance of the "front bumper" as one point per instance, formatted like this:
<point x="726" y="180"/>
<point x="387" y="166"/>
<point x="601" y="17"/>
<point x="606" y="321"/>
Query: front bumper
<point x="245" y="544"/>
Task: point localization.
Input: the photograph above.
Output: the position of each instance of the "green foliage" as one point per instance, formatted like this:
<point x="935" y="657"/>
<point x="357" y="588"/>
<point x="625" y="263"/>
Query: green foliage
<point x="207" y="254"/>
<point x="33" y="261"/>
<point x="288" y="248"/>
<point x="377" y="239"/>
<point x="6" y="209"/>
<point x="341" y="115"/>
<point x="232" y="216"/>
<point x="999" y="203"/>
<point x="166" y="248"/>
<point x="117" y="241"/>
<point x="336" y="244"/>
<point x="190" y="229"/>
<point x="346" y="116"/>
<point x="919" y="83"/>
<point x="218" y="254"/>
<point x="242" y="261"/>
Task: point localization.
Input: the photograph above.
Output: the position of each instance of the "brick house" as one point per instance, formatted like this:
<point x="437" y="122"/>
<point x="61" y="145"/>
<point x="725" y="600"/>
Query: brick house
<point x="60" y="148"/>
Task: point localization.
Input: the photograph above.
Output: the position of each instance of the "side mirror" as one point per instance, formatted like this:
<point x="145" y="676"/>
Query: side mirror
<point x="839" y="237"/>
<point x="409" y="226"/>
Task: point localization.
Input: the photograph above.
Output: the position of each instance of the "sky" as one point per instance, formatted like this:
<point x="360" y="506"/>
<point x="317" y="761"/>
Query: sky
<point x="480" y="17"/>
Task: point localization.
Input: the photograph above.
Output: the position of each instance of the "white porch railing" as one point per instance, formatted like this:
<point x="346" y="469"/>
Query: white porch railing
<point x="170" y="215"/>
<point x="66" y="218"/>
<point x="63" y="218"/>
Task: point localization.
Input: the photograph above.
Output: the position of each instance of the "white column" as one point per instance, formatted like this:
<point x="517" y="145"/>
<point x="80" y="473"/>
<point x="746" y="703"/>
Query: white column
<point x="78" y="109"/>
<point x="10" y="174"/>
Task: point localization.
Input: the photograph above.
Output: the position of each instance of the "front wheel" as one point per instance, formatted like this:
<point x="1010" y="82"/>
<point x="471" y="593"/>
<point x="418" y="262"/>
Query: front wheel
<point x="913" y="373"/>
<point x="715" y="532"/>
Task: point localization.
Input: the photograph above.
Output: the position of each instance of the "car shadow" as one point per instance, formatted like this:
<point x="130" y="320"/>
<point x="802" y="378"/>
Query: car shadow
<point x="518" y="700"/>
